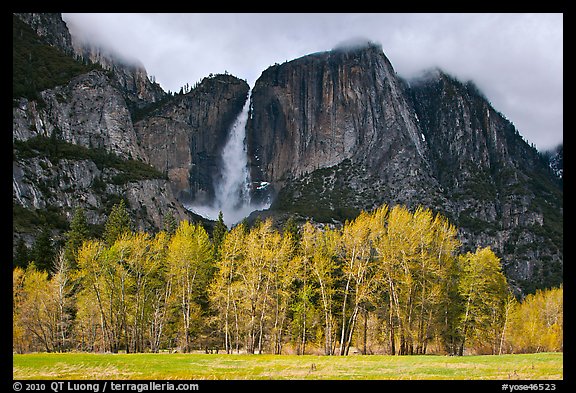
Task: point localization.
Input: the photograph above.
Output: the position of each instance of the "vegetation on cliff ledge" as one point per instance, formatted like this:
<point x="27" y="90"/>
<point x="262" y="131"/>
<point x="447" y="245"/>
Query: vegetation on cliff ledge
<point x="37" y="66"/>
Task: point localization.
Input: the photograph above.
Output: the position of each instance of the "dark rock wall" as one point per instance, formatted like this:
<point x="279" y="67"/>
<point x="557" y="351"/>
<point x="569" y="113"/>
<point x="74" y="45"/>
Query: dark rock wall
<point x="184" y="137"/>
<point x="316" y="111"/>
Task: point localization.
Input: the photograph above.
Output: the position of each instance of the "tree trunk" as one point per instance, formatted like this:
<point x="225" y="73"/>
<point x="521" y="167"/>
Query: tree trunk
<point x="343" y="334"/>
<point x="364" y="351"/>
<point x="351" y="327"/>
<point x="391" y="326"/>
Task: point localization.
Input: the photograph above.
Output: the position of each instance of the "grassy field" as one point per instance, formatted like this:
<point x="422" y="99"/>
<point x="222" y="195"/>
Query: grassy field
<point x="237" y="367"/>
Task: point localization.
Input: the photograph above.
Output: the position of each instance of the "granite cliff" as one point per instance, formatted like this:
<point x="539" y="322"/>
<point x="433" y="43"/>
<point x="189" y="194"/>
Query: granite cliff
<point x="104" y="131"/>
<point x="184" y="137"/>
<point x="74" y="142"/>
<point x="342" y="109"/>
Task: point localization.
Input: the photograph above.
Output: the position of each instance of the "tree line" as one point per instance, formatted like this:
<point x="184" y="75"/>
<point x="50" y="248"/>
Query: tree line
<point x="390" y="281"/>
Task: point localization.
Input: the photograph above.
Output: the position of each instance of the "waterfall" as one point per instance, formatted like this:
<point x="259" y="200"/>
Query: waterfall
<point x="232" y="184"/>
<point x="232" y="189"/>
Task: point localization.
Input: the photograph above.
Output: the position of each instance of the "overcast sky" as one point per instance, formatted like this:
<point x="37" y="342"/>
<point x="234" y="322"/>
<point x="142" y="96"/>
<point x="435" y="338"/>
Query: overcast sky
<point x="515" y="59"/>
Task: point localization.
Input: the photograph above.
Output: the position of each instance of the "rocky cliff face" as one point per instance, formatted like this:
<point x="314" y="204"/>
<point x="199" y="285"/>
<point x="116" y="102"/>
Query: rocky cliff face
<point x="347" y="110"/>
<point x="75" y="145"/>
<point x="108" y="133"/>
<point x="130" y="77"/>
<point x="555" y="158"/>
<point x="339" y="131"/>
<point x="89" y="111"/>
<point x="498" y="189"/>
<point x="184" y="137"/>
<point x="51" y="28"/>
<point x="319" y="110"/>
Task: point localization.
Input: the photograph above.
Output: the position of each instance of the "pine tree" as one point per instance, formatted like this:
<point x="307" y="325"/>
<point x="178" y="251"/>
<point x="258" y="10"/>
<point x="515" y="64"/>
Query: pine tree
<point x="170" y="224"/>
<point x="42" y="252"/>
<point x="118" y="223"/>
<point x="291" y="227"/>
<point x="21" y="255"/>
<point x="77" y="234"/>
<point x="220" y="230"/>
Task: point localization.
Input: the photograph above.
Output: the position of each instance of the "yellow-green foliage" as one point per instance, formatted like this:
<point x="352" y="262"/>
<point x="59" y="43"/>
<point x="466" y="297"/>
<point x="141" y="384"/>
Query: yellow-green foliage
<point x="536" y="324"/>
<point x="390" y="281"/>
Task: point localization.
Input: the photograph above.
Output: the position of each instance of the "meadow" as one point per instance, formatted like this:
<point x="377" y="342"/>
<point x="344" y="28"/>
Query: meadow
<point x="148" y="366"/>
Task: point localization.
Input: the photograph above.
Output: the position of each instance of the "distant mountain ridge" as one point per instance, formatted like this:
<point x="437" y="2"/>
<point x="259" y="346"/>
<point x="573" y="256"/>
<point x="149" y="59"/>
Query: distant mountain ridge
<point x="332" y="133"/>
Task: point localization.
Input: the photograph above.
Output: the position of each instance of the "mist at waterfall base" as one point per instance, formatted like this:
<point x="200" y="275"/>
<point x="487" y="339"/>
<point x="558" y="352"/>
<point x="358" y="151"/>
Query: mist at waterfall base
<point x="232" y="184"/>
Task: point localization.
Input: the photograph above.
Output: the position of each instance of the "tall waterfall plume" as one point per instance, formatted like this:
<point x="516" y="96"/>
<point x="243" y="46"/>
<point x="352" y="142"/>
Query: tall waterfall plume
<point x="232" y="184"/>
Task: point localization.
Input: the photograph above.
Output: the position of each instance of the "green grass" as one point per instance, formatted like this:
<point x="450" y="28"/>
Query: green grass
<point x="236" y="367"/>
